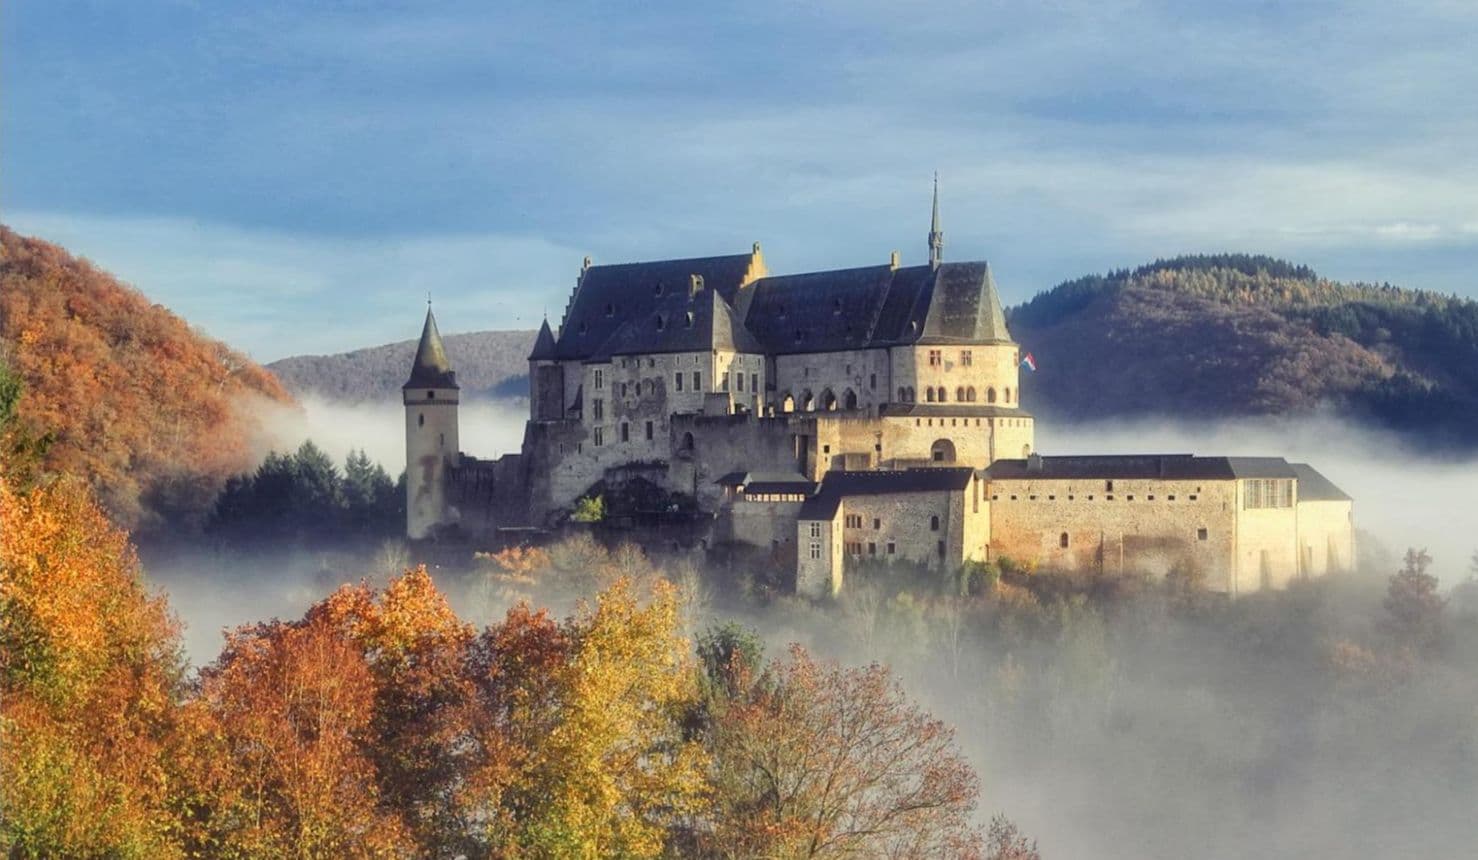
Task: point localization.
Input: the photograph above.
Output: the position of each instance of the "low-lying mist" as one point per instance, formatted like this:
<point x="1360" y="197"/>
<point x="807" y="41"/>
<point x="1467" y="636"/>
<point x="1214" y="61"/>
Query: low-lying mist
<point x="1284" y="725"/>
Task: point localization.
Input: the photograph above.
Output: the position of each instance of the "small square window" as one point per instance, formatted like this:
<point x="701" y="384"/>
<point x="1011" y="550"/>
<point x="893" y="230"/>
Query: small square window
<point x="1201" y="534"/>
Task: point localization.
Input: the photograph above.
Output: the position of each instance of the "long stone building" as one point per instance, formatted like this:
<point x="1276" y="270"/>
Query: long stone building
<point x="840" y="415"/>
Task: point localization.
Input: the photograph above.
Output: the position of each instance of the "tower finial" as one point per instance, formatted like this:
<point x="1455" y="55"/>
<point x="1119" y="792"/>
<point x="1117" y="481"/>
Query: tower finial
<point x="936" y="235"/>
<point x="428" y="299"/>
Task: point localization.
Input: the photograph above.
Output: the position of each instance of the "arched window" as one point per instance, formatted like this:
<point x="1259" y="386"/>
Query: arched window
<point x="1062" y="540"/>
<point x="960" y="394"/>
<point x="688" y="442"/>
<point x="828" y="400"/>
<point x="1006" y="392"/>
<point x="970" y="394"/>
<point x="808" y="402"/>
<point x="943" y="395"/>
<point x="421" y="420"/>
<point x="934" y="523"/>
<point x="849" y="400"/>
<point x="929" y="393"/>
<point x="902" y="394"/>
<point x="990" y="395"/>
<point x="942" y="451"/>
<point x="787" y="403"/>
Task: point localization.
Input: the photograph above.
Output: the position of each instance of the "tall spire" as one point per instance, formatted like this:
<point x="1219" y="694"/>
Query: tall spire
<point x="431" y="368"/>
<point x="936" y="235"/>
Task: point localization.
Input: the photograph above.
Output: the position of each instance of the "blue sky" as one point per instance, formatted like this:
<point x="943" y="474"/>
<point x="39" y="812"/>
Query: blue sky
<point x="294" y="177"/>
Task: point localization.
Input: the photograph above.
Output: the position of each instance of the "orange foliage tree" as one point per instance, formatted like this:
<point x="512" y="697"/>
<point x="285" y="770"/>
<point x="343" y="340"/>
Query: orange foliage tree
<point x="815" y="760"/>
<point x="89" y="683"/>
<point x="146" y="410"/>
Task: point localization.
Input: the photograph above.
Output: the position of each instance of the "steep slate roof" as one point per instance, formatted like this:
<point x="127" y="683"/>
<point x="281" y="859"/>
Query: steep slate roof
<point x="1314" y="487"/>
<point x="965" y="306"/>
<point x="792" y="480"/>
<point x="680" y="321"/>
<point x="1163" y="466"/>
<point x="608" y="297"/>
<point x="543" y="344"/>
<point x="838" y="485"/>
<point x="876" y="306"/>
<point x="431" y="368"/>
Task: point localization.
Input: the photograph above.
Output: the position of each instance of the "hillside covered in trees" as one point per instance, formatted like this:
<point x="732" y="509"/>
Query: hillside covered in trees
<point x="154" y="415"/>
<point x="488" y="363"/>
<point x="1235" y="335"/>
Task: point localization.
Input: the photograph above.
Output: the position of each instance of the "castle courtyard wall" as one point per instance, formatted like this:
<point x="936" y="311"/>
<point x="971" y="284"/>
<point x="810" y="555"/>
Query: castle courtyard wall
<point x="1141" y="525"/>
<point x="864" y="372"/>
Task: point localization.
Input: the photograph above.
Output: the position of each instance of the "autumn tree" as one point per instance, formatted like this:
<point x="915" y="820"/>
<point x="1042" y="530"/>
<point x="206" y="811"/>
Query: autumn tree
<point x="1004" y="842"/>
<point x="1413" y="606"/>
<point x="284" y="728"/>
<point x="816" y="760"/>
<point x="89" y="680"/>
<point x="605" y="769"/>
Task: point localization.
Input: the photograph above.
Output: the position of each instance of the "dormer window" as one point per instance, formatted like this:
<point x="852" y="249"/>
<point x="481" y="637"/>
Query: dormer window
<point x="836" y="306"/>
<point x="661" y="323"/>
<point x="610" y="310"/>
<point x="799" y="335"/>
<point x="584" y="328"/>
<point x="658" y="289"/>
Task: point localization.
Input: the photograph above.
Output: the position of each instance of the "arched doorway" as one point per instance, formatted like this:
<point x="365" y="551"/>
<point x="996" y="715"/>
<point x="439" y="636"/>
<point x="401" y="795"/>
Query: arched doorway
<point x="828" y="400"/>
<point x="849" y="400"/>
<point x="942" y="451"/>
<point x="787" y="403"/>
<point x="808" y="402"/>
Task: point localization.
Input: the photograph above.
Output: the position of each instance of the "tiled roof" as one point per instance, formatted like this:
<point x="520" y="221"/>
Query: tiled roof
<point x="681" y="321"/>
<point x="1164" y="466"/>
<point x="431" y="368"/>
<point x="1314" y="487"/>
<point x="608" y="297"/>
<point x="543" y="344"/>
<point x="876" y="306"/>
<point x="838" y="485"/>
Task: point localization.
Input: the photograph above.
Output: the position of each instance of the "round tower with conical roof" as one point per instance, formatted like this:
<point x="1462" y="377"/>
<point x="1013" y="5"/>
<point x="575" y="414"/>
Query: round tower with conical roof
<point x="431" y="444"/>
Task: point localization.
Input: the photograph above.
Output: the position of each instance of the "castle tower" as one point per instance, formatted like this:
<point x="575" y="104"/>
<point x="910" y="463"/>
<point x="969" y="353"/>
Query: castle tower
<point x="431" y="444"/>
<point x="936" y="235"/>
<point x="546" y="378"/>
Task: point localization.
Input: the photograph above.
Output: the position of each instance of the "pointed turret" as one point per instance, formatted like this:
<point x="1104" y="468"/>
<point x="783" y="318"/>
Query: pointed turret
<point x="936" y="235"/>
<point x="543" y="344"/>
<point x="431" y="368"/>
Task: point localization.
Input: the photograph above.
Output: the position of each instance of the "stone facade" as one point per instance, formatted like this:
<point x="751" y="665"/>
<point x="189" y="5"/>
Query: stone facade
<point x="855" y="413"/>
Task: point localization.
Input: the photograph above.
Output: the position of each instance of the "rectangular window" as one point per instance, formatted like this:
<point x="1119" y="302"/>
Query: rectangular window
<point x="754" y="382"/>
<point x="600" y="436"/>
<point x="1201" y="534"/>
<point x="892" y="549"/>
<point x="936" y="357"/>
<point x="600" y="380"/>
<point x="872" y="382"/>
<point x="623" y="389"/>
<point x="872" y="548"/>
<point x="738" y="381"/>
<point x="940" y="549"/>
<point x="649" y="431"/>
<point x="598" y="408"/>
<point x="723" y="382"/>
<point x="815" y="530"/>
<point x="815" y="550"/>
<point x="697" y="381"/>
<point x="625" y="432"/>
<point x="678" y="380"/>
<point x="966" y="359"/>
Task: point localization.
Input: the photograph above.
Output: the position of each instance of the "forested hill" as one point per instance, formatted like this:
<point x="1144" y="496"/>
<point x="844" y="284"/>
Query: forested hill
<point x="487" y="363"/>
<point x="1230" y="335"/>
<point x="154" y="415"/>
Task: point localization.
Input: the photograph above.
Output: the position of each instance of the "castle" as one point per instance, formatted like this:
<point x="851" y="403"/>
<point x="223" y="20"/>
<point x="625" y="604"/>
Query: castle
<point x="829" y="417"/>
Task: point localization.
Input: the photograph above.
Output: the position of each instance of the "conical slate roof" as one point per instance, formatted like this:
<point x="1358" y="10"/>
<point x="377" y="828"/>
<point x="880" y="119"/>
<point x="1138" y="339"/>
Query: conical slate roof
<point x="431" y="368"/>
<point x="544" y="344"/>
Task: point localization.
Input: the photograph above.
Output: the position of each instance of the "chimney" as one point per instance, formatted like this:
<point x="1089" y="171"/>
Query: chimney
<point x="893" y="262"/>
<point x="695" y="285"/>
<point x="1034" y="462"/>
